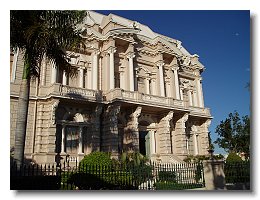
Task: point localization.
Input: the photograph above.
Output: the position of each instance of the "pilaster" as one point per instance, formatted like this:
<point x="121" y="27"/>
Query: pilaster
<point x="110" y="130"/>
<point x="111" y="52"/>
<point x="130" y="57"/>
<point x="180" y="135"/>
<point x="204" y="142"/>
<point x="95" y="69"/>
<point x="132" y="131"/>
<point x="164" y="132"/>
<point x="160" y="65"/>
<point x="176" y="82"/>
<point x="96" y="127"/>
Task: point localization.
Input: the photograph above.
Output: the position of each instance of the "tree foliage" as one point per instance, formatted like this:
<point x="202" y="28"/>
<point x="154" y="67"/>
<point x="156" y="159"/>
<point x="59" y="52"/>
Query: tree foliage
<point x="234" y="133"/>
<point x="42" y="33"/>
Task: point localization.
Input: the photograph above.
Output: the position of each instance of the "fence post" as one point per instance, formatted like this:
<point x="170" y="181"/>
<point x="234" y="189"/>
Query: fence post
<point x="214" y="175"/>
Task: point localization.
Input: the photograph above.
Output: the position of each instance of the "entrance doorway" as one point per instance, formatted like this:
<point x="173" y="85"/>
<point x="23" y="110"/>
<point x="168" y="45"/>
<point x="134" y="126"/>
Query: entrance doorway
<point x="144" y="143"/>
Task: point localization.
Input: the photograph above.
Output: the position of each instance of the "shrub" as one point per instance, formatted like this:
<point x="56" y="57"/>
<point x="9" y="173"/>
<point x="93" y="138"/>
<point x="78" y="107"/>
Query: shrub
<point x="97" y="158"/>
<point x="233" y="157"/>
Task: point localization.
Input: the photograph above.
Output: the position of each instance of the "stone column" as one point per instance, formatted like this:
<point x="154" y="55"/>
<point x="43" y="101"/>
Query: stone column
<point x="95" y="69"/>
<point x="190" y="97"/>
<point x="168" y="89"/>
<point x="111" y="52"/>
<point x="199" y="92"/>
<point x="53" y="73"/>
<point x="122" y="80"/>
<point x="81" y="77"/>
<point x="194" y="133"/>
<point x="64" y="78"/>
<point x="164" y="132"/>
<point x="147" y="85"/>
<point x="130" y="57"/>
<point x="176" y="82"/>
<point x="80" y="150"/>
<point x="89" y="77"/>
<point x="63" y="139"/>
<point x="152" y="142"/>
<point x="160" y="65"/>
<point x="181" y="94"/>
<point x="195" y="98"/>
<point x="153" y="86"/>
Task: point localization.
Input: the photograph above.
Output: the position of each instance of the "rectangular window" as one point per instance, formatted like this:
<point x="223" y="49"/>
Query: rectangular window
<point x="72" y="139"/>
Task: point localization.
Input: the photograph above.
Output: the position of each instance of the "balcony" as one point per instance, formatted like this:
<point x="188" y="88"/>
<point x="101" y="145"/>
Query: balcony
<point x="199" y="111"/>
<point x="66" y="91"/>
<point x="137" y="97"/>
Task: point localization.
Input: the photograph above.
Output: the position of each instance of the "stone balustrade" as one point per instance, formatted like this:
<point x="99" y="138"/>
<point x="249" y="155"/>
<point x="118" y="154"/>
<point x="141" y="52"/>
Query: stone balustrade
<point x="58" y="89"/>
<point x="198" y="110"/>
<point x="135" y="96"/>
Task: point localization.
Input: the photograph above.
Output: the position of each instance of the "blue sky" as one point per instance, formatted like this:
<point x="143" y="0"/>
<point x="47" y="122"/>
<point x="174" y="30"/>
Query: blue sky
<point x="222" y="40"/>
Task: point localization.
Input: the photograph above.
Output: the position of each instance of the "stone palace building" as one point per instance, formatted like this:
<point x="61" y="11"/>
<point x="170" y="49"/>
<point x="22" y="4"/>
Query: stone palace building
<point x="136" y="90"/>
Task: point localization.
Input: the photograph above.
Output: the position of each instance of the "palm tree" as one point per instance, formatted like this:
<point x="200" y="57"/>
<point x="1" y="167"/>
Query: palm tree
<point x="40" y="34"/>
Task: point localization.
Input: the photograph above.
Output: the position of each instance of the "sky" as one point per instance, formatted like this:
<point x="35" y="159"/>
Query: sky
<point x="222" y="41"/>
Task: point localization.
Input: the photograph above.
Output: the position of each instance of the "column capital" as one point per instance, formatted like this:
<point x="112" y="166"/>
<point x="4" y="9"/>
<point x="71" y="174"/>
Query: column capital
<point x="96" y="52"/>
<point x="169" y="116"/>
<point x="194" y="128"/>
<point x="175" y="67"/>
<point x="81" y="68"/>
<point x="111" y="50"/>
<point x="130" y="55"/>
<point x="159" y="63"/>
<point x="137" y="112"/>
<point x="208" y="122"/>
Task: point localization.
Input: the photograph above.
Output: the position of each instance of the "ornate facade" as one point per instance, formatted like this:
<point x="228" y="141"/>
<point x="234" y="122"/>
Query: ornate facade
<point x="135" y="90"/>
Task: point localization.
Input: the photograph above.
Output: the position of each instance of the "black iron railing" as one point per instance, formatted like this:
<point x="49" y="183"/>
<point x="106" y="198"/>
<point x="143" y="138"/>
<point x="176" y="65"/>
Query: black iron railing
<point x="145" y="176"/>
<point x="237" y="172"/>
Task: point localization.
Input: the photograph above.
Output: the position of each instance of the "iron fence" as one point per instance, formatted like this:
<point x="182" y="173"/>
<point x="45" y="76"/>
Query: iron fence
<point x="145" y="176"/>
<point x="237" y="172"/>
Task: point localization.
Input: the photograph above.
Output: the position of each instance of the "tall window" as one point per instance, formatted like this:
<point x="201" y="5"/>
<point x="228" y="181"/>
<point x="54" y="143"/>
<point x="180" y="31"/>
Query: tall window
<point x="72" y="139"/>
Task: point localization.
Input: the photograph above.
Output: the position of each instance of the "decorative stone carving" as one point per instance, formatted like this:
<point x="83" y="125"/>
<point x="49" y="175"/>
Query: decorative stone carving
<point x="130" y="55"/>
<point x="194" y="128"/>
<point x="54" y="108"/>
<point x="178" y="44"/>
<point x="111" y="50"/>
<point x="78" y="117"/>
<point x="135" y="116"/>
<point x="186" y="60"/>
<point x="159" y="63"/>
<point x="207" y="123"/>
<point x="112" y="112"/>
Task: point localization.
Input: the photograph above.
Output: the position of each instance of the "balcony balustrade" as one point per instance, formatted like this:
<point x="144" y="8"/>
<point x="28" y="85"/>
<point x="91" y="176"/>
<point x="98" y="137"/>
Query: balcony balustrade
<point x="60" y="90"/>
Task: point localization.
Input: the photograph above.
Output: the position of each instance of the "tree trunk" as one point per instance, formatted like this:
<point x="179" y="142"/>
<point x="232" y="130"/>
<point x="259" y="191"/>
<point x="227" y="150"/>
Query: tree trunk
<point x="21" y="123"/>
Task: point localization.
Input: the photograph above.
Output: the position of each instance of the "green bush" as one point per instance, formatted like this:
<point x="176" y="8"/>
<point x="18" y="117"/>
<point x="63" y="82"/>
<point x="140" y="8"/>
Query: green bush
<point x="97" y="158"/>
<point x="233" y="157"/>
